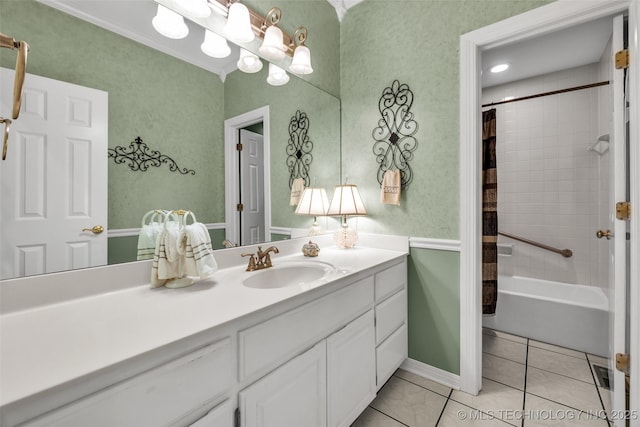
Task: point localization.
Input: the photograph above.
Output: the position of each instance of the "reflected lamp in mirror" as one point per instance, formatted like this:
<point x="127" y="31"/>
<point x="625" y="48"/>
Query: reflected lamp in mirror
<point x="277" y="76"/>
<point x="248" y="62"/>
<point x="238" y="26"/>
<point x="314" y="202"/>
<point x="214" y="45"/>
<point x="169" y="24"/>
<point x="193" y="8"/>
<point x="346" y="201"/>
<point x="301" y="63"/>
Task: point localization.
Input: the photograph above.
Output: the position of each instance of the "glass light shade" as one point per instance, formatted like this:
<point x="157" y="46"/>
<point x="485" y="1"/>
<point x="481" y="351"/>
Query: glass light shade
<point x="214" y="45"/>
<point x="238" y="26"/>
<point x="248" y="62"/>
<point x="346" y="201"/>
<point x="169" y="24"/>
<point x="277" y="76"/>
<point x="301" y="63"/>
<point x="272" y="46"/>
<point x="194" y="8"/>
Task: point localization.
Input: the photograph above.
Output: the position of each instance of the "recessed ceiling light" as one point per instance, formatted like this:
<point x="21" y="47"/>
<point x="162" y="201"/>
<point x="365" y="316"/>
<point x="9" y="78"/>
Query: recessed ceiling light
<point x="499" y="68"/>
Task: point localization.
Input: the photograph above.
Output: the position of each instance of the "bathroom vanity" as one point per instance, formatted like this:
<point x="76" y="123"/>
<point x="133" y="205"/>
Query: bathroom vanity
<point x="103" y="349"/>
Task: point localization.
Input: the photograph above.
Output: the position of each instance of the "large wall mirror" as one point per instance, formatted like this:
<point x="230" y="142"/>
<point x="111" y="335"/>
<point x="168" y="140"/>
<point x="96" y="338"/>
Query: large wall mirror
<point x="175" y="107"/>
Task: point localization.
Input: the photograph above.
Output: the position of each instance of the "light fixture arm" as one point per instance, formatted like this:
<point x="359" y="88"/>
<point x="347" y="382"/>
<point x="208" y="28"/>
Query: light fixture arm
<point x="272" y="18"/>
<point x="299" y="36"/>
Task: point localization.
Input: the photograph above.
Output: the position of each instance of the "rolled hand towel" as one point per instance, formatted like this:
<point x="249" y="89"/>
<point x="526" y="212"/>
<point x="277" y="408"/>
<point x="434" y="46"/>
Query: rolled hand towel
<point x="390" y="189"/>
<point x="296" y="191"/>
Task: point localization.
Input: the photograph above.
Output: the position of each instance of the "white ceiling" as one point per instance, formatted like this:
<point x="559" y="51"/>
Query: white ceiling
<point x="580" y="45"/>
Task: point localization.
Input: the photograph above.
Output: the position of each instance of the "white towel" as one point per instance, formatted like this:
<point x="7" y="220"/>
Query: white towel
<point x="199" y="258"/>
<point x="390" y="189"/>
<point x="147" y="240"/>
<point x="166" y="258"/>
<point x="296" y="191"/>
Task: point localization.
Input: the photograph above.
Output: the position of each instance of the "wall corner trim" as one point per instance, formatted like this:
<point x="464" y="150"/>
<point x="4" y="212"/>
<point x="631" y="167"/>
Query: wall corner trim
<point x="431" y="373"/>
<point x="438" y="244"/>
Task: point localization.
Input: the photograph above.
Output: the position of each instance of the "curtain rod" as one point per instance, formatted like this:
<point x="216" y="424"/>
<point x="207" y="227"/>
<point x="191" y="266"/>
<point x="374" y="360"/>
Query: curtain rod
<point x="555" y="92"/>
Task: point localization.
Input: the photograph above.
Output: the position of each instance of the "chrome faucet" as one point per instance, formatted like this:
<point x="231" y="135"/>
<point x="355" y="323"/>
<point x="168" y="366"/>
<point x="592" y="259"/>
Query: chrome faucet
<point x="261" y="259"/>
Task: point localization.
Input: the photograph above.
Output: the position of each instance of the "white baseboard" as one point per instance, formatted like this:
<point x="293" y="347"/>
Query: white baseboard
<point x="432" y="373"/>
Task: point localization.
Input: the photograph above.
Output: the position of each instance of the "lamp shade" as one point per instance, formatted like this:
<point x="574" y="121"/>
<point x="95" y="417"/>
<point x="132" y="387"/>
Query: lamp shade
<point x="314" y="202"/>
<point x="248" y="62"/>
<point x="272" y="46"/>
<point x="277" y="76"/>
<point x="301" y="63"/>
<point x="238" y="26"/>
<point x="214" y="45"/>
<point x="193" y="8"/>
<point x="346" y="201"/>
<point x="169" y="24"/>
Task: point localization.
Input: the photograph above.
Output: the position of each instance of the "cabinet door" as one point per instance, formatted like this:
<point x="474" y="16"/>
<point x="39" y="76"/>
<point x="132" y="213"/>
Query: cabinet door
<point x="294" y="395"/>
<point x="220" y="416"/>
<point x="351" y="370"/>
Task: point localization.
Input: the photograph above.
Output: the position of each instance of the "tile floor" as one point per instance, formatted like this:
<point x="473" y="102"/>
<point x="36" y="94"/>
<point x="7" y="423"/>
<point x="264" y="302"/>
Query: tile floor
<point x="525" y="383"/>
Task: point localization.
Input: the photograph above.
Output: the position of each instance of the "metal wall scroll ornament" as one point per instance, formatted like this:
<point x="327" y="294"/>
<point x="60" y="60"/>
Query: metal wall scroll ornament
<point x="394" y="135"/>
<point x="140" y="157"/>
<point x="299" y="148"/>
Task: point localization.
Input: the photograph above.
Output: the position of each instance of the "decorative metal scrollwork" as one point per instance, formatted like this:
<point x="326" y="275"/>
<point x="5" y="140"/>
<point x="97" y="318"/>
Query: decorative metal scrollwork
<point x="140" y="157"/>
<point x="394" y="136"/>
<point x="299" y="148"/>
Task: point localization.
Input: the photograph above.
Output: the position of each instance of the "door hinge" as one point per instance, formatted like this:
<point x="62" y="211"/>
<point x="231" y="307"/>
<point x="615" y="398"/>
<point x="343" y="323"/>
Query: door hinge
<point x="238" y="147"/>
<point x="622" y="59"/>
<point x="623" y="211"/>
<point x="236" y="418"/>
<point x="622" y="362"/>
<point x="239" y="207"/>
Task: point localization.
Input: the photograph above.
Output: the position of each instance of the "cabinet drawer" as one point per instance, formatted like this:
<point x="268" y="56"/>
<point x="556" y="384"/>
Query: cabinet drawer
<point x="391" y="281"/>
<point x="390" y="315"/>
<point x="265" y="346"/>
<point x="390" y="355"/>
<point x="158" y="397"/>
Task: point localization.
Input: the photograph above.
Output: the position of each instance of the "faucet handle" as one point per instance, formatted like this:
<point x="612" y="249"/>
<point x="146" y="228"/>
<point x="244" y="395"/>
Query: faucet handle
<point x="252" y="261"/>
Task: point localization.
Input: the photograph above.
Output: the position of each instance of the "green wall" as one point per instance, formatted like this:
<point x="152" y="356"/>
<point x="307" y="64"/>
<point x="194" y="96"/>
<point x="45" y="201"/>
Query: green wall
<point x="415" y="42"/>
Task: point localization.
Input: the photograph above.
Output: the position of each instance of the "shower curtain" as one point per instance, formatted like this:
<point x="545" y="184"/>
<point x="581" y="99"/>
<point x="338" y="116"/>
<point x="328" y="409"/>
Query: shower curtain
<point x="489" y="214"/>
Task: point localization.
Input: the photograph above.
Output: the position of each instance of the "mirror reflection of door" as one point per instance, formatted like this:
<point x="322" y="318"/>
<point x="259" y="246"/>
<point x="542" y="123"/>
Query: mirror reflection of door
<point x="251" y="167"/>
<point x="53" y="182"/>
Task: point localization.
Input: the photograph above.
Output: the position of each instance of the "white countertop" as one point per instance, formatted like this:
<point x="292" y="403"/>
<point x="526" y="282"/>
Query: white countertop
<point x="48" y="345"/>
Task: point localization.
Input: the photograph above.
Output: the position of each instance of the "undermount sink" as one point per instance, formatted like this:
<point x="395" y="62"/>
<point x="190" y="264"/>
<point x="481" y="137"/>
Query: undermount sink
<point x="288" y="273"/>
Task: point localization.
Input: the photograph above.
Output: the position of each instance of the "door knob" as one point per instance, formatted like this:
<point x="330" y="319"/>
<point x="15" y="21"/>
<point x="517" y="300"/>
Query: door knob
<point x="95" y="230"/>
<point x="604" y="233"/>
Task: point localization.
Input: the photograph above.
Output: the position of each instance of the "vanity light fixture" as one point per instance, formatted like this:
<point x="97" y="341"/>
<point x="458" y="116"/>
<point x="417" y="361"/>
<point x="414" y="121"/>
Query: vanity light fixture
<point x="193" y="8"/>
<point x="248" y="62"/>
<point x="238" y="26"/>
<point x="272" y="47"/>
<point x="170" y="24"/>
<point x="277" y="76"/>
<point x="346" y="201"/>
<point x="314" y="202"/>
<point x="301" y="63"/>
<point x="215" y="45"/>
<point x="499" y="68"/>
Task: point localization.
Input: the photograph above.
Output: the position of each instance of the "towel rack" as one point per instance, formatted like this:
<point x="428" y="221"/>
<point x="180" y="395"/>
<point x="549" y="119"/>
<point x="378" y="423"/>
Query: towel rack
<point x="567" y="253"/>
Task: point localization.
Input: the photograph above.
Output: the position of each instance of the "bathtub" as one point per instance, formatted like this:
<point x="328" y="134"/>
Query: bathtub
<point x="572" y="316"/>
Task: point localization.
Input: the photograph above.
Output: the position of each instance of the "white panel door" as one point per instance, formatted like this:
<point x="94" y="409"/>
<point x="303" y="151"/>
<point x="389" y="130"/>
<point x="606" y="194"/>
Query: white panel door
<point x="252" y="218"/>
<point x="54" y="180"/>
<point x="351" y="371"/>
<point x="294" y="395"/>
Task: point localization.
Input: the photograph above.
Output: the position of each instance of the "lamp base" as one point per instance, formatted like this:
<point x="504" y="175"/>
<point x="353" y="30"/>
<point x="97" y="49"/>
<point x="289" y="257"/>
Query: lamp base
<point x="345" y="237"/>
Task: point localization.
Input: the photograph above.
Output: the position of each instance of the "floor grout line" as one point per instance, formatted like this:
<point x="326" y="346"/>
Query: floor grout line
<point x="389" y="416"/>
<point x="524" y="387"/>
<point x="443" y="408"/>
<point x="425" y="388"/>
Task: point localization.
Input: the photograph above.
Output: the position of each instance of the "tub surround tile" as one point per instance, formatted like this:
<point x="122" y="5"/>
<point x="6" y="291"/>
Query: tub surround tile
<point x="564" y="390"/>
<point x="496" y="399"/>
<point x="546" y="413"/>
<point x="408" y="403"/>
<point x="503" y="370"/>
<point x="373" y="418"/>
<point x="442" y="390"/>
<point x="576" y="368"/>
<point x="557" y="349"/>
<point x="504" y="348"/>
<point x="456" y="414"/>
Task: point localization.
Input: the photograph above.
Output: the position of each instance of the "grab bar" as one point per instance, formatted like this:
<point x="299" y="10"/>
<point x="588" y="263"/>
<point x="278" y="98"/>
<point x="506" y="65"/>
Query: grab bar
<point x="564" y="252"/>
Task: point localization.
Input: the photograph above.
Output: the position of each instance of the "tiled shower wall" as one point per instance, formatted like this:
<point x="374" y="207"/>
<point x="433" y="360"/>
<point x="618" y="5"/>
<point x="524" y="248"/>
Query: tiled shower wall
<point x="551" y="187"/>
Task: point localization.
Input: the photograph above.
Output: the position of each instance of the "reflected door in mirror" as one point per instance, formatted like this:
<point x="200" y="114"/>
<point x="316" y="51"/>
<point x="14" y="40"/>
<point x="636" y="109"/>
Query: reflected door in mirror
<point x="54" y="186"/>
<point x="252" y="216"/>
